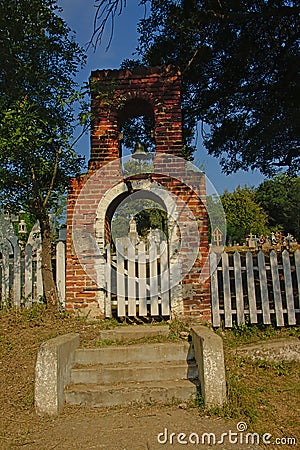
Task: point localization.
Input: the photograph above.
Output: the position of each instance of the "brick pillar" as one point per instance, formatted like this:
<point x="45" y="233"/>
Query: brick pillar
<point x="117" y="93"/>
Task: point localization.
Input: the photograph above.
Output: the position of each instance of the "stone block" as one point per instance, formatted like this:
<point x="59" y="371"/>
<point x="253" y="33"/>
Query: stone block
<point x="283" y="349"/>
<point x="52" y="373"/>
<point x="209" y="355"/>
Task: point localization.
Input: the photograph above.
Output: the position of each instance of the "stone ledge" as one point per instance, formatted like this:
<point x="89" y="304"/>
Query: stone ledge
<point x="52" y="373"/>
<point x="209" y="355"/>
<point x="287" y="349"/>
<point x="132" y="332"/>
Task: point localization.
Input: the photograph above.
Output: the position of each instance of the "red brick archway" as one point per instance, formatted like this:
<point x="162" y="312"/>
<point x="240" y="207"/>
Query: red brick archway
<point x="152" y="91"/>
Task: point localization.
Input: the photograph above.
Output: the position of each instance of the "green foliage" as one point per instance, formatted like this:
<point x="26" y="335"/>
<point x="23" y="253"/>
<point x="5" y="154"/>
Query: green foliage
<point x="216" y="215"/>
<point x="280" y="199"/>
<point x="5" y="346"/>
<point x="147" y="214"/>
<point x="152" y="218"/>
<point x="35" y="314"/>
<point x="240" y="70"/>
<point x="34" y="159"/>
<point x="39" y="62"/>
<point x="133" y="166"/>
<point x="139" y="128"/>
<point x="252" y="333"/>
<point x="37" y="88"/>
<point x="243" y="214"/>
<point x="178" y="326"/>
<point x="106" y="343"/>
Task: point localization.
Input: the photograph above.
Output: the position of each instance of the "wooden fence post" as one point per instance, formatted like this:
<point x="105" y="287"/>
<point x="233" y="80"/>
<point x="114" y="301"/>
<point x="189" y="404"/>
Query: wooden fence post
<point x="263" y="282"/>
<point x="214" y="290"/>
<point x="5" y="272"/>
<point x="276" y="289"/>
<point x="61" y="272"/>
<point x="17" y="275"/>
<point x="28" y="275"/>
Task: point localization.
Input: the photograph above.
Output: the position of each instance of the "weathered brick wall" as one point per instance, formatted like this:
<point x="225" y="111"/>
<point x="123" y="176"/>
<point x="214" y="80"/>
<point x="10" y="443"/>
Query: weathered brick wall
<point x="77" y="281"/>
<point x="154" y="91"/>
<point x="84" y="195"/>
<point x="157" y="90"/>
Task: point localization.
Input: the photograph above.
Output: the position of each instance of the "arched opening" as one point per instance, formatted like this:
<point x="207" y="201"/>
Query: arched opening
<point x="136" y="225"/>
<point x="136" y="123"/>
<point x="146" y="208"/>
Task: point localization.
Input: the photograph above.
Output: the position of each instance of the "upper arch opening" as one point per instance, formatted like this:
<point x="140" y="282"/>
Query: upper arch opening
<point x="136" y="123"/>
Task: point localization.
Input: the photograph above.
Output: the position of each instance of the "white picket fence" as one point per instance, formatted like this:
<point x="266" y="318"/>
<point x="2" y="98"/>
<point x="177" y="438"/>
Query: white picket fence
<point x="137" y="279"/>
<point x="255" y="288"/>
<point x="21" y="267"/>
<point x="245" y="287"/>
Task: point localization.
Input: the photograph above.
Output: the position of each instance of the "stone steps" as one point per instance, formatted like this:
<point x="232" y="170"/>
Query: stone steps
<point x="167" y="351"/>
<point x="119" y="375"/>
<point x="151" y="371"/>
<point x="97" y="395"/>
<point x="134" y="332"/>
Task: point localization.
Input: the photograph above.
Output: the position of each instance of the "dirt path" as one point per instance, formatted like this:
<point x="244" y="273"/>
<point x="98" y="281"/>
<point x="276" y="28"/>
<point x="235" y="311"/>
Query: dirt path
<point x="130" y="428"/>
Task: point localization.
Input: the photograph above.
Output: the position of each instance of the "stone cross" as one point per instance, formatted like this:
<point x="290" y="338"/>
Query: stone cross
<point x="218" y="236"/>
<point x="252" y="241"/>
<point x="133" y="234"/>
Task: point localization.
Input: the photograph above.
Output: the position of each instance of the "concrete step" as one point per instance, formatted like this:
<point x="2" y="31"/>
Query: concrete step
<point x="112" y="373"/>
<point x="133" y="332"/>
<point x="170" y="351"/>
<point x="95" y="395"/>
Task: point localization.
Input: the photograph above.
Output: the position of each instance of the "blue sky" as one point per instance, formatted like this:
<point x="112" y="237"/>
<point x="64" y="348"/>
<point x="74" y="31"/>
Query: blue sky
<point x="79" y="15"/>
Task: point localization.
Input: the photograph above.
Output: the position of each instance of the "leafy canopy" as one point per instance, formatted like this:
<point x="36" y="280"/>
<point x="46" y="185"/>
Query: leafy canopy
<point x="240" y="67"/>
<point x="39" y="62"/>
<point x="244" y="215"/>
<point x="280" y="198"/>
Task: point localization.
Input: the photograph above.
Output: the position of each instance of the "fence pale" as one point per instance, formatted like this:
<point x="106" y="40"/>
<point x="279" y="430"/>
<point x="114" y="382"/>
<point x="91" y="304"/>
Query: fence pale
<point x="21" y="266"/>
<point x="251" y="288"/>
<point x="288" y="288"/>
<point x="143" y="277"/>
<point x="227" y="295"/>
<point x="276" y="289"/>
<point x="263" y="282"/>
<point x="214" y="290"/>
<point x="238" y="289"/>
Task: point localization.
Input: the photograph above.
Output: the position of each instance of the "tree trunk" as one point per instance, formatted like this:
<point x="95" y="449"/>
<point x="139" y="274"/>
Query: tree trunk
<point x="50" y="290"/>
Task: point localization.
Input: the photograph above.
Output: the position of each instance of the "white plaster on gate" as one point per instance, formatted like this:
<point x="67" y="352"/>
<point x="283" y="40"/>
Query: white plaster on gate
<point x="173" y="229"/>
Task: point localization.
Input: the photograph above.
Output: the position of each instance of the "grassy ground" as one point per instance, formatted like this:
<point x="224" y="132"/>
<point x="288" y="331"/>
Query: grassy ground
<point x="264" y="395"/>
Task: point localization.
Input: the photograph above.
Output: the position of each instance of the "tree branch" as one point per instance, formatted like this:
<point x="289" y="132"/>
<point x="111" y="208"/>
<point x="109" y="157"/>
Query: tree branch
<point x="105" y="10"/>
<point x="85" y="128"/>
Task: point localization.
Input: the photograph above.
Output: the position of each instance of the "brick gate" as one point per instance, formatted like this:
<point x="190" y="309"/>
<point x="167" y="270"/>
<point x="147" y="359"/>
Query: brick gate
<point x="93" y="197"/>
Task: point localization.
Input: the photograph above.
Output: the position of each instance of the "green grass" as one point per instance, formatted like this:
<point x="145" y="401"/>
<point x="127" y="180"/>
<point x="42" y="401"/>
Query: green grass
<point x="250" y="334"/>
<point x="262" y="393"/>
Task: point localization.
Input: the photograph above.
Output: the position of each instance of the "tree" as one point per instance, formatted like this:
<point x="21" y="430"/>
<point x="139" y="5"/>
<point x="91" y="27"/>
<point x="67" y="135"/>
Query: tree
<point x="39" y="62"/>
<point x="216" y="216"/>
<point x="280" y="199"/>
<point x="240" y="70"/>
<point x="243" y="214"/>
